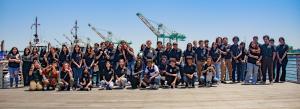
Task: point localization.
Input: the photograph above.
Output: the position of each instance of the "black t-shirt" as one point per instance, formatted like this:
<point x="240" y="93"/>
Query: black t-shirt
<point x="85" y="78"/>
<point x="234" y="49"/>
<point x="103" y="58"/>
<point x="77" y="57"/>
<point x="63" y="58"/>
<point x="50" y="57"/>
<point x="281" y="49"/>
<point x="65" y="76"/>
<point x="149" y="53"/>
<point x="188" y="53"/>
<point x="205" y="67"/>
<point x="176" y="53"/>
<point x="215" y="54"/>
<point x="172" y="70"/>
<point x="189" y="69"/>
<point x="267" y="51"/>
<point x="129" y="57"/>
<point x="201" y="53"/>
<point x="244" y="53"/>
<point x="88" y="59"/>
<point x="159" y="54"/>
<point x="13" y="64"/>
<point x="36" y="75"/>
<point x="120" y="71"/>
<point x="225" y="48"/>
<point x="118" y="55"/>
<point x="108" y="73"/>
<point x="250" y="59"/>
<point x="167" y="53"/>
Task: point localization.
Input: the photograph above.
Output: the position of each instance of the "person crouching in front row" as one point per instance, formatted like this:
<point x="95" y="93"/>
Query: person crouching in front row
<point x="107" y="82"/>
<point x="50" y="75"/>
<point x="209" y="71"/>
<point x="151" y="76"/>
<point x="66" y="77"/>
<point x="172" y="74"/>
<point x="36" y="77"/>
<point x="190" y="72"/>
<point x="120" y="74"/>
<point x="85" y="83"/>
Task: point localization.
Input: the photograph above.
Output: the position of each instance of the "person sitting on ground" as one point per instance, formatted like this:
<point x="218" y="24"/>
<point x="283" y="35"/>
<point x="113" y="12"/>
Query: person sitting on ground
<point x="66" y="77"/>
<point x="209" y="71"/>
<point x="50" y="75"/>
<point x="36" y="77"/>
<point x="172" y="73"/>
<point x="85" y="82"/>
<point x="107" y="81"/>
<point x="190" y="72"/>
<point x="120" y="74"/>
<point x="151" y="76"/>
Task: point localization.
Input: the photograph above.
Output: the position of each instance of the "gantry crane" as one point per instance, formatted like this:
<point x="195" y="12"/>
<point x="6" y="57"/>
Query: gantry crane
<point x="109" y="34"/>
<point x="107" y="38"/>
<point x="161" y="31"/>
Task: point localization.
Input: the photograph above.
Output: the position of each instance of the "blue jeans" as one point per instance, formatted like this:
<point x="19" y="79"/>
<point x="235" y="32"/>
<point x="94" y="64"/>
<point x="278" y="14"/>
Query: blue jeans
<point x="77" y="75"/>
<point x="13" y="74"/>
<point x="252" y="71"/>
<point x="187" y="80"/>
<point x="96" y="78"/>
<point x="218" y="68"/>
<point x="243" y="71"/>
<point x="130" y="67"/>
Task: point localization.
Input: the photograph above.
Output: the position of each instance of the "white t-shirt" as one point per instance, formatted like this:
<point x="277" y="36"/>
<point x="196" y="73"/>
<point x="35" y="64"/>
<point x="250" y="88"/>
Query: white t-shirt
<point x="151" y="71"/>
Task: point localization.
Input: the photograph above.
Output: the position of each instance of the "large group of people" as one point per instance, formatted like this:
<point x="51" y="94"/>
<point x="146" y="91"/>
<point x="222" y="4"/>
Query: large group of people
<point x="108" y="67"/>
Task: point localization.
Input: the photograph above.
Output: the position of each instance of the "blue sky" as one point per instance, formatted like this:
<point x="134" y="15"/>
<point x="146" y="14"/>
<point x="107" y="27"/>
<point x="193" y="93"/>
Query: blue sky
<point x="197" y="19"/>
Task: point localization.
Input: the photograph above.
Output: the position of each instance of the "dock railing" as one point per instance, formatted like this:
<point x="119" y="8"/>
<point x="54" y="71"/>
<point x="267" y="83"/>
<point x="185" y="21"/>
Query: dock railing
<point x="293" y="68"/>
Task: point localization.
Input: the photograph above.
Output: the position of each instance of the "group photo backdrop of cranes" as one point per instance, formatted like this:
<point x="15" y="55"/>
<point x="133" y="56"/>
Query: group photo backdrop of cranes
<point x="194" y="19"/>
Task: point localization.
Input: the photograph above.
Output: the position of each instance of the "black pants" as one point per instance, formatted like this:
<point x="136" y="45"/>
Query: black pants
<point x="25" y="70"/>
<point x="274" y="68"/>
<point x="267" y="66"/>
<point x="236" y="69"/>
<point x="283" y="73"/>
<point x="170" y="79"/>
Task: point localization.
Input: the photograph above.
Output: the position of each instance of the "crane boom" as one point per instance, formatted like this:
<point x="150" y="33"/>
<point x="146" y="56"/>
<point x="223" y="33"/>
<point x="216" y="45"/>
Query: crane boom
<point x="147" y="23"/>
<point x="98" y="33"/>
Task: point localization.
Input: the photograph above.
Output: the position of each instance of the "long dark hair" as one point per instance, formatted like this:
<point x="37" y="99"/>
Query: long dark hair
<point x="26" y="54"/>
<point x="11" y="51"/>
<point x="87" y="51"/>
<point x="62" y="50"/>
<point x="74" y="49"/>
<point x="35" y="48"/>
<point x="187" y="47"/>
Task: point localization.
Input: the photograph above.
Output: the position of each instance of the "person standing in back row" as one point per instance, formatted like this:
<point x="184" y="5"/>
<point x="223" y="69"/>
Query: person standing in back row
<point x="226" y="60"/>
<point x="201" y="55"/>
<point x="282" y="50"/>
<point x="268" y="55"/>
<point x="235" y="53"/>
